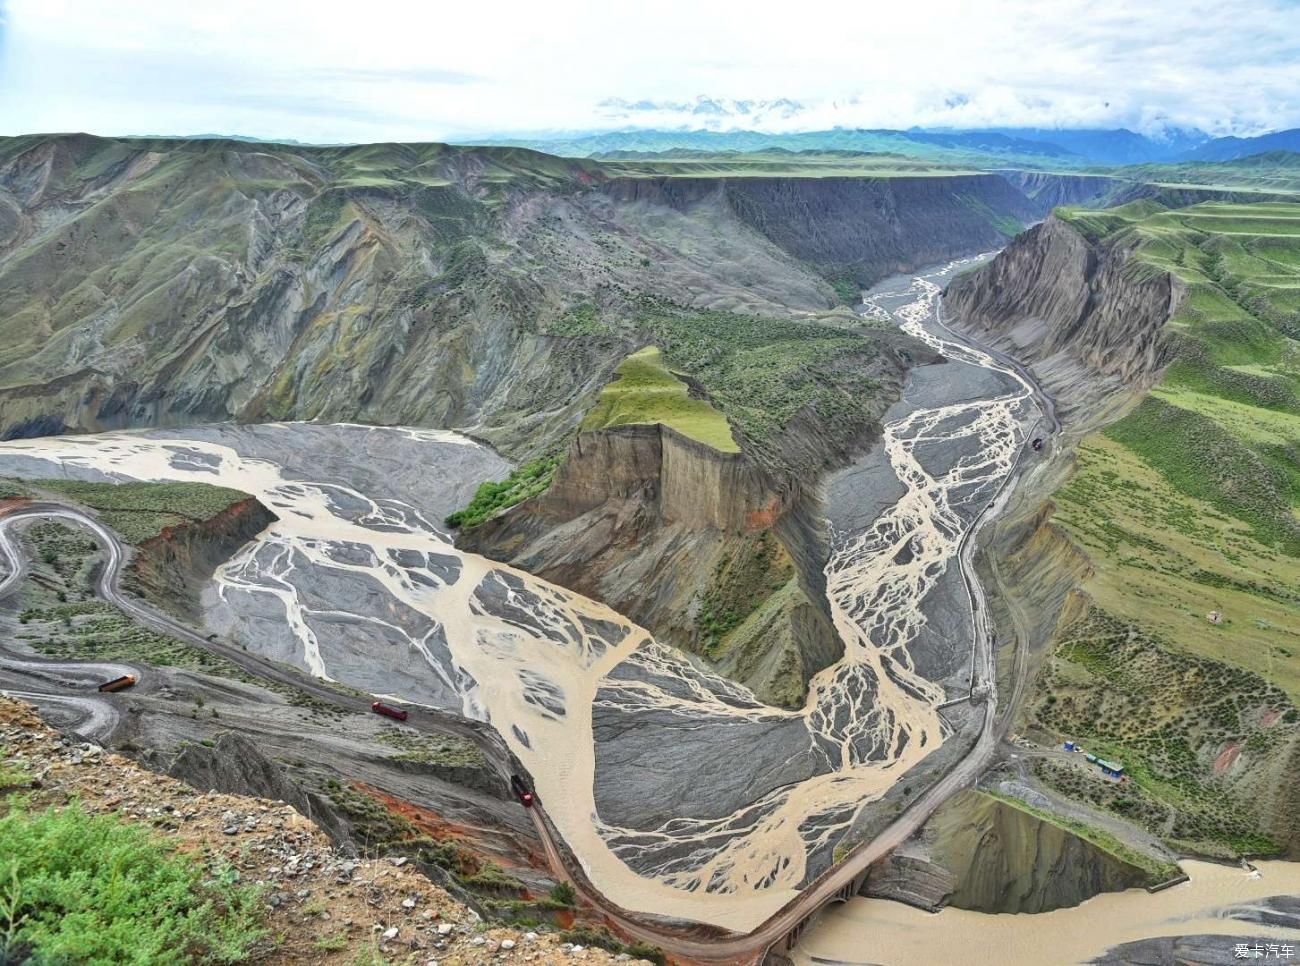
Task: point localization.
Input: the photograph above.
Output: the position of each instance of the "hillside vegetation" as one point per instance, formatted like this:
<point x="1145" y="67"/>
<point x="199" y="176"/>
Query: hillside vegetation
<point x="494" y="289"/>
<point x="492" y="497"/>
<point x="1188" y="667"/>
<point x="1223" y="426"/>
<point x="139" y="511"/>
<point x="1271" y="172"/>
<point x="91" y="888"/>
<point x="1206" y="744"/>
<point x="103" y="861"/>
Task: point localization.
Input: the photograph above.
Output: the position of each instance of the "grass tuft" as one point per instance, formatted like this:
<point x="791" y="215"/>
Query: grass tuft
<point x="76" y="887"/>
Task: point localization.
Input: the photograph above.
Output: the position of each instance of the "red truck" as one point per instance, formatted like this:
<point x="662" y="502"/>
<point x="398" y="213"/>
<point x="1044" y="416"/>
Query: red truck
<point x="117" y="684"/>
<point x="522" y="791"/>
<point x="388" y="711"/>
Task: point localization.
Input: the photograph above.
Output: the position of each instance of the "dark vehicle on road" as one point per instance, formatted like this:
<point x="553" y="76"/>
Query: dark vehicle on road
<point x="522" y="791"/>
<point x="117" y="684"/>
<point x="388" y="711"/>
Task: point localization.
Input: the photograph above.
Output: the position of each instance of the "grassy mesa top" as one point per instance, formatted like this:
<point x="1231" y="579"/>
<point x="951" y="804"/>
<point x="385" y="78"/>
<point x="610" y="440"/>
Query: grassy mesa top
<point x="646" y="391"/>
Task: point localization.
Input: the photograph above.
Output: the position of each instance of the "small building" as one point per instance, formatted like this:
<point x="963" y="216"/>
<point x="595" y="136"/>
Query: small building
<point x="1111" y="769"/>
<point x="1069" y="746"/>
<point x="1091" y="758"/>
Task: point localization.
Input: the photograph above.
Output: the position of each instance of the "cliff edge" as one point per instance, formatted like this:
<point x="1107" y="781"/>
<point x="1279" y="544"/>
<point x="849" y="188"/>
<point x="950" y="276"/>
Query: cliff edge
<point x="687" y="540"/>
<point x="172" y="567"/>
<point x="302" y="900"/>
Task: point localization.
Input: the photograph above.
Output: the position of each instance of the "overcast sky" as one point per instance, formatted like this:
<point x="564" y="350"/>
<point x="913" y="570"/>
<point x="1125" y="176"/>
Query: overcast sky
<point x="369" y="70"/>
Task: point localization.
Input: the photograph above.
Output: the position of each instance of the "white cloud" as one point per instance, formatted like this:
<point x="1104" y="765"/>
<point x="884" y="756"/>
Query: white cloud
<point x="393" y="70"/>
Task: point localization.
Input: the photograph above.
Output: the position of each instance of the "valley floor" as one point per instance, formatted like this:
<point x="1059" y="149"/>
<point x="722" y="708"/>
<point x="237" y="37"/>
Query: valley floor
<point x="1224" y="904"/>
<point x="356" y="582"/>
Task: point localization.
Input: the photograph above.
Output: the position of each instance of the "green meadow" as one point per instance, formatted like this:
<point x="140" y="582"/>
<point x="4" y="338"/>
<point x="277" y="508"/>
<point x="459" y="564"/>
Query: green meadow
<point x="644" y="390"/>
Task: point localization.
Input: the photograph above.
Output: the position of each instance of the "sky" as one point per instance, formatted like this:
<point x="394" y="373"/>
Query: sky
<point x="376" y="70"/>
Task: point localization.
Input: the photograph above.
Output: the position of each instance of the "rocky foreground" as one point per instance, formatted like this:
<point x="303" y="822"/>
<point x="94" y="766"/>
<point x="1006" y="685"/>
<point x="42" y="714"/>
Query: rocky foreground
<point x="322" y="904"/>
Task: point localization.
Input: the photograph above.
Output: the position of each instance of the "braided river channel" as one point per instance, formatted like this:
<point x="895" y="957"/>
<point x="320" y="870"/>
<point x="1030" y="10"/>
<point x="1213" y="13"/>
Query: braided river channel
<point x="678" y="790"/>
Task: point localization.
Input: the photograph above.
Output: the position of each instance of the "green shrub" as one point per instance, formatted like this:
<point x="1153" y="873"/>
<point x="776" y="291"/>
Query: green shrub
<point x="563" y="894"/>
<point x="643" y="950"/>
<point x="84" y="888"/>
<point x="528" y="480"/>
<point x="847" y="290"/>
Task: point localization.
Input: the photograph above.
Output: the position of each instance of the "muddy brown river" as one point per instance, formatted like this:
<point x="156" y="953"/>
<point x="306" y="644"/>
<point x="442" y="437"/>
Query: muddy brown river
<point x="878" y="931"/>
<point x="359" y="582"/>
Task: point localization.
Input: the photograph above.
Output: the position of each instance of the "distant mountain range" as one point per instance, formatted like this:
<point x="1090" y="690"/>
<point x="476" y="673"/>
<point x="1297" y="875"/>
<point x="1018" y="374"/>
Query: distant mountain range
<point x="1035" y="147"/>
<point x="1230" y="149"/>
<point x="983" y="147"/>
<point x="1116" y="146"/>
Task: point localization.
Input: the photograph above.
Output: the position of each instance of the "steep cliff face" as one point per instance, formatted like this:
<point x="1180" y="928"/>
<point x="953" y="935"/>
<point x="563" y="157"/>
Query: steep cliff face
<point x="1278" y="794"/>
<point x="857" y="229"/>
<point x="678" y="536"/>
<point x="690" y="483"/>
<point x="153" y="283"/>
<point x="1042" y="570"/>
<point x="1101" y="583"/>
<point x="1007" y="860"/>
<point x="1073" y="309"/>
<point x="171" y="568"/>
<point x="1047" y="190"/>
<point x="719" y="552"/>
<point x="980" y="853"/>
<point x="233" y="764"/>
<point x="147" y="282"/>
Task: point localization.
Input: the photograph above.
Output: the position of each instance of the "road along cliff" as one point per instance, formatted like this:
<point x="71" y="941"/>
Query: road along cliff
<point x="1153" y="548"/>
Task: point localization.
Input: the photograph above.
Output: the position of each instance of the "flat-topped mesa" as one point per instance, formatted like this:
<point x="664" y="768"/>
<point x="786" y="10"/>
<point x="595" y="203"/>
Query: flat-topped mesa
<point x="690" y="499"/>
<point x="686" y="481"/>
<point x="653" y="435"/>
<point x="697" y="545"/>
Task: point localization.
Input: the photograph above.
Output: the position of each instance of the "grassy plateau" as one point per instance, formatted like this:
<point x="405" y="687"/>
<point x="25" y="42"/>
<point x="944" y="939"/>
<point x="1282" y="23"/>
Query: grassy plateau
<point x="646" y="391"/>
<point x="138" y="511"/>
<point x="1188" y="508"/>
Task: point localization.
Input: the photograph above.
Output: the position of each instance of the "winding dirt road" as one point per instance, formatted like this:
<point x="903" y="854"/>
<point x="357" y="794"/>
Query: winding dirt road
<point x="108" y="587"/>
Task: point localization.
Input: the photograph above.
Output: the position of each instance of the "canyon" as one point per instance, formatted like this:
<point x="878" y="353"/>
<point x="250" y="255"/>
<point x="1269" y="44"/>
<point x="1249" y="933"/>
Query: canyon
<point x="863" y="593"/>
<point x="343" y="561"/>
